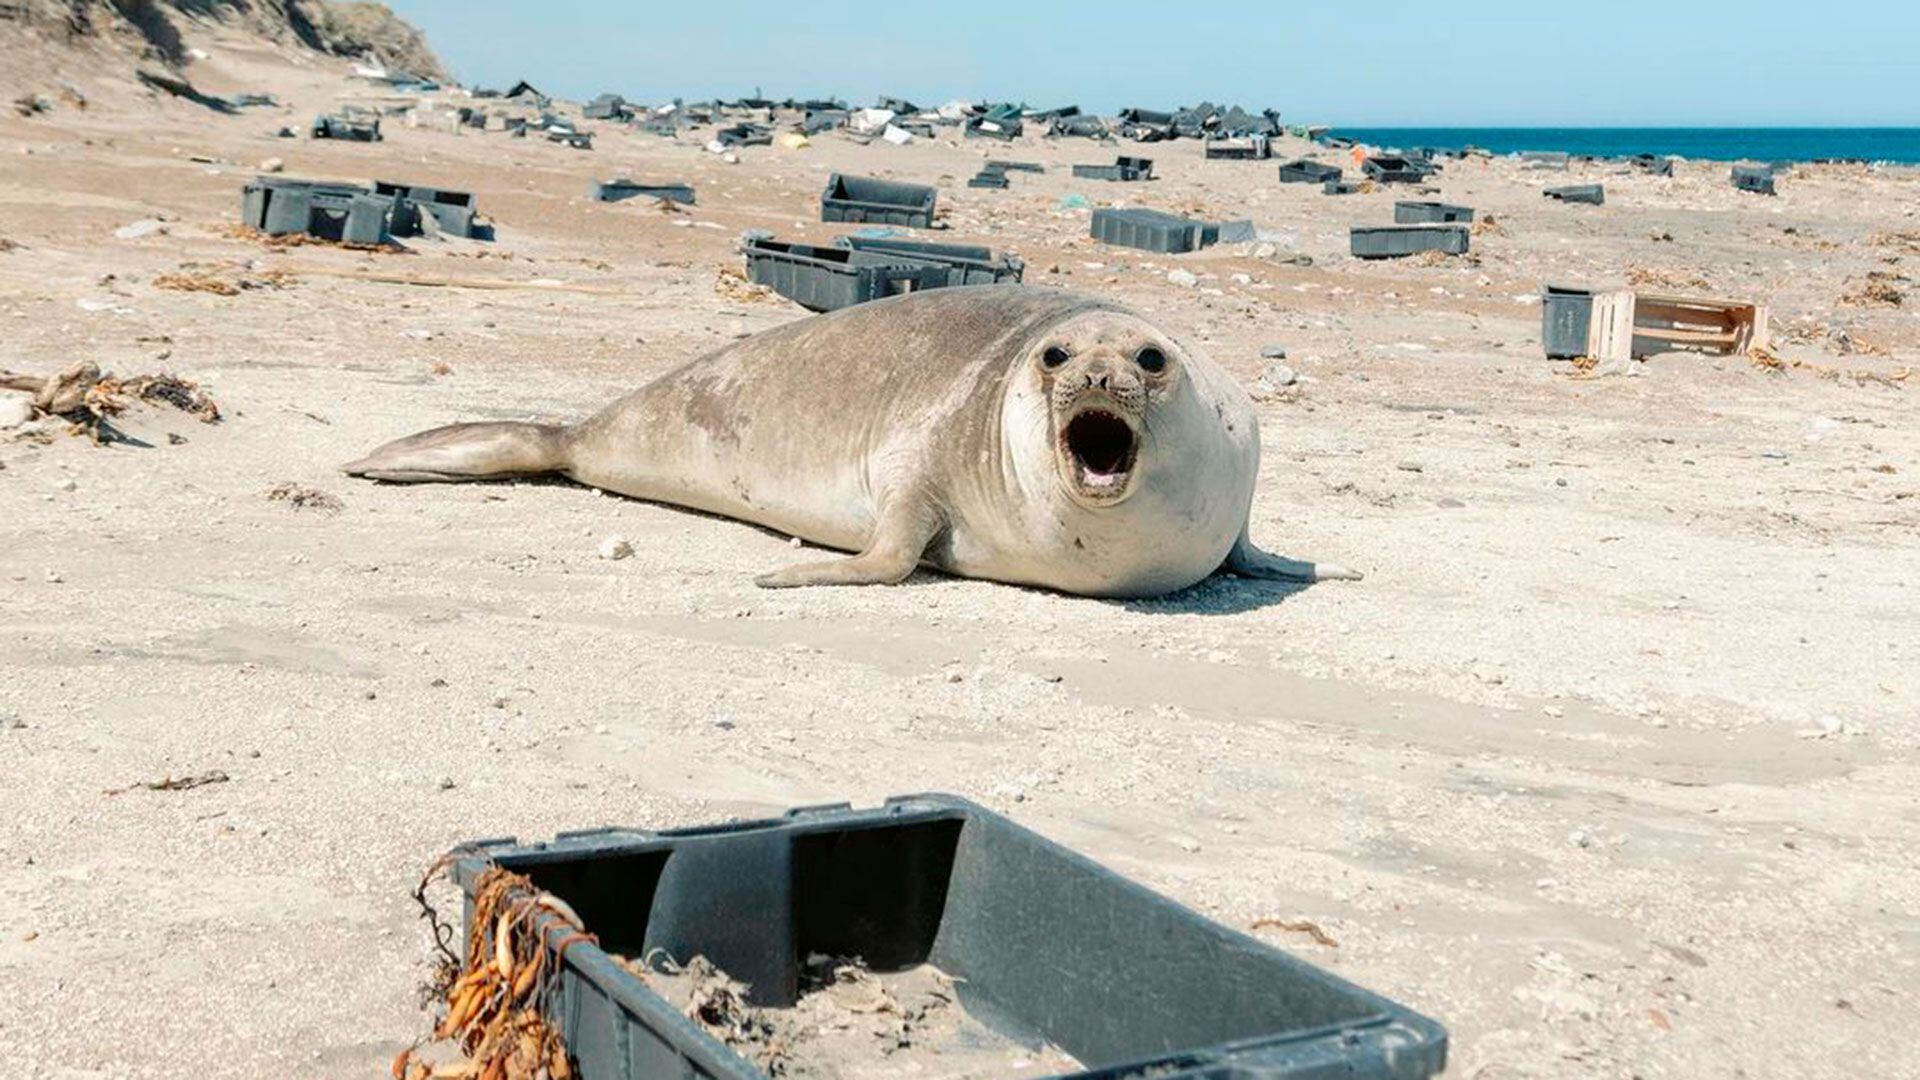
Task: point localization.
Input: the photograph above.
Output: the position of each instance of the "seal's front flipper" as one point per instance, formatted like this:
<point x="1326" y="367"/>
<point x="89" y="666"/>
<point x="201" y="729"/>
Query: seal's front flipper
<point x="1248" y="561"/>
<point x="899" y="540"/>
<point x="466" y="452"/>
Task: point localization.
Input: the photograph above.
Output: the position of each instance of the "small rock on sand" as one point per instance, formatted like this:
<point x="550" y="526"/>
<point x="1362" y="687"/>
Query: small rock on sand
<point x="1277" y="376"/>
<point x="272" y="165"/>
<point x="614" y="548"/>
<point x="15" y="410"/>
<point x="1183" y="278"/>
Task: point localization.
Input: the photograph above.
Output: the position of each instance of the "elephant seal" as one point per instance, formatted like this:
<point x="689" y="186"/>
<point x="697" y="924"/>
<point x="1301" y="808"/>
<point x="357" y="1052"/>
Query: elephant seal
<point x="1014" y="433"/>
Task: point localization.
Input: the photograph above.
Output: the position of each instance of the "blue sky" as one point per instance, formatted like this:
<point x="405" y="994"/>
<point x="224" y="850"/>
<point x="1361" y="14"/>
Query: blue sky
<point x="1370" y="63"/>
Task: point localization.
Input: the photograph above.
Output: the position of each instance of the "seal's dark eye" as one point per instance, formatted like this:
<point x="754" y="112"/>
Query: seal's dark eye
<point x="1151" y="360"/>
<point x="1055" y="356"/>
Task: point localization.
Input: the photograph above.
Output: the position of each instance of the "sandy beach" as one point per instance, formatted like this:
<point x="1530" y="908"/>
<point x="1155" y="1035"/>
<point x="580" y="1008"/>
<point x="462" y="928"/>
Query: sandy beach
<point x="1611" y="763"/>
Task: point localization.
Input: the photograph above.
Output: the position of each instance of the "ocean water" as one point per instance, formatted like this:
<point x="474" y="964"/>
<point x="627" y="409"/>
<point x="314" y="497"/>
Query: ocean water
<point x="1713" y="144"/>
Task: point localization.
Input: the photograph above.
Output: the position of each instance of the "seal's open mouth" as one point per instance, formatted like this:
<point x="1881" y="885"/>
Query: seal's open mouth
<point x="1099" y="448"/>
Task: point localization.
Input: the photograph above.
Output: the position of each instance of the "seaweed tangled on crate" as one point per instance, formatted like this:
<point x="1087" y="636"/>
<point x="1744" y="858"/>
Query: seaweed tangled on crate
<point x="498" y="995"/>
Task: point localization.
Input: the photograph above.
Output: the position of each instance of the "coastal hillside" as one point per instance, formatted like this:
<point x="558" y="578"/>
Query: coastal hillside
<point x="125" y="33"/>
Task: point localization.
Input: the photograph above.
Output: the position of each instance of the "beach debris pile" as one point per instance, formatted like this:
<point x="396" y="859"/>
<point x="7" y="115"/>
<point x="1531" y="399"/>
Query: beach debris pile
<point x="87" y="399"/>
<point x="371" y="215"/>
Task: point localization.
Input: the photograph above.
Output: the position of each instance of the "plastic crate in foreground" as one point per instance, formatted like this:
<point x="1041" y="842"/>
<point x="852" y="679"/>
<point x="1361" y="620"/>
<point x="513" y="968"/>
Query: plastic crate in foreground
<point x="1044" y="945"/>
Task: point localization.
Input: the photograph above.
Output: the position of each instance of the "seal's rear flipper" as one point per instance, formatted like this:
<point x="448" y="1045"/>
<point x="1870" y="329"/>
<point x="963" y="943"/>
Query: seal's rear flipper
<point x="1248" y="561"/>
<point x="466" y="452"/>
<point x="907" y="524"/>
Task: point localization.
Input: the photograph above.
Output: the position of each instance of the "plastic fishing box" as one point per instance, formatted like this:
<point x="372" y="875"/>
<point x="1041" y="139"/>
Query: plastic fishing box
<point x="1566" y="316"/>
<point x="1124" y="169"/>
<point x="1152" y="230"/>
<point x="1043" y="944"/>
<point x="331" y="126"/>
<point x="1755" y="178"/>
<point x="1017" y="166"/>
<point x="617" y="190"/>
<point x="1339" y="187"/>
<point x="1579" y="193"/>
<point x="1247" y="148"/>
<point x="830" y="278"/>
<point x="1398" y="241"/>
<point x="344" y="212"/>
<point x="1420" y="213"/>
<point x="967" y="264"/>
<point x="1393" y="170"/>
<point x="1308" y="172"/>
<point x="451" y="210"/>
<point x="882" y="202"/>
<point x="989" y="177"/>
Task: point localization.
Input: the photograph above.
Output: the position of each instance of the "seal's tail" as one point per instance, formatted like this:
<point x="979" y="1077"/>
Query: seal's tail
<point x="467" y="452"/>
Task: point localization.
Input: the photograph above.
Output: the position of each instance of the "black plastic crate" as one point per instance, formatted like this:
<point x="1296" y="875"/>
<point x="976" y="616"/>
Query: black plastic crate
<point x="1339" y="187"/>
<point x="744" y="135"/>
<point x="830" y="278"/>
<point x="967" y="264"/>
<point x="1392" y="170"/>
<point x="351" y="129"/>
<point x="1566" y="315"/>
<point x="1308" y="172"/>
<point x="882" y="202"/>
<point x="452" y="211"/>
<point x="1755" y="178"/>
<point x="1579" y="193"/>
<point x="1399" y="241"/>
<point x="1017" y="166"/>
<point x="1122" y="169"/>
<point x="989" y="178"/>
<point x="278" y="206"/>
<point x="1421" y="213"/>
<point x="616" y="190"/>
<point x="1651" y="165"/>
<point x="1152" y="230"/>
<point x="1044" y="946"/>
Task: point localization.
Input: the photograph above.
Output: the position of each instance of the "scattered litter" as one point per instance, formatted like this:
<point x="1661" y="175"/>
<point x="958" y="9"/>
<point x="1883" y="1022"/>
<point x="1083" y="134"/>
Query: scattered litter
<point x="860" y="199"/>
<point x="1419" y="213"/>
<point x="1594" y="194"/>
<point x="1151" y="230"/>
<point x="622" y="188"/>
<point x="863" y="268"/>
<point x="1123" y="169"/>
<point x="1399" y="241"/>
<point x="1298" y="926"/>
<point x="1620" y="324"/>
<point x="354" y="128"/>
<point x="1304" y="171"/>
<point x="173" y="783"/>
<point x="1757" y="179"/>
<point x="302" y="497"/>
<point x="140" y="229"/>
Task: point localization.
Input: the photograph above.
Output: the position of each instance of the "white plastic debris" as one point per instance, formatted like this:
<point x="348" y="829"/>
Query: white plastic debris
<point x="897" y="136"/>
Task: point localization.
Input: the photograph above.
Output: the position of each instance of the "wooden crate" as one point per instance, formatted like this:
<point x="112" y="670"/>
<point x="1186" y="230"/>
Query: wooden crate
<point x="1627" y="324"/>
